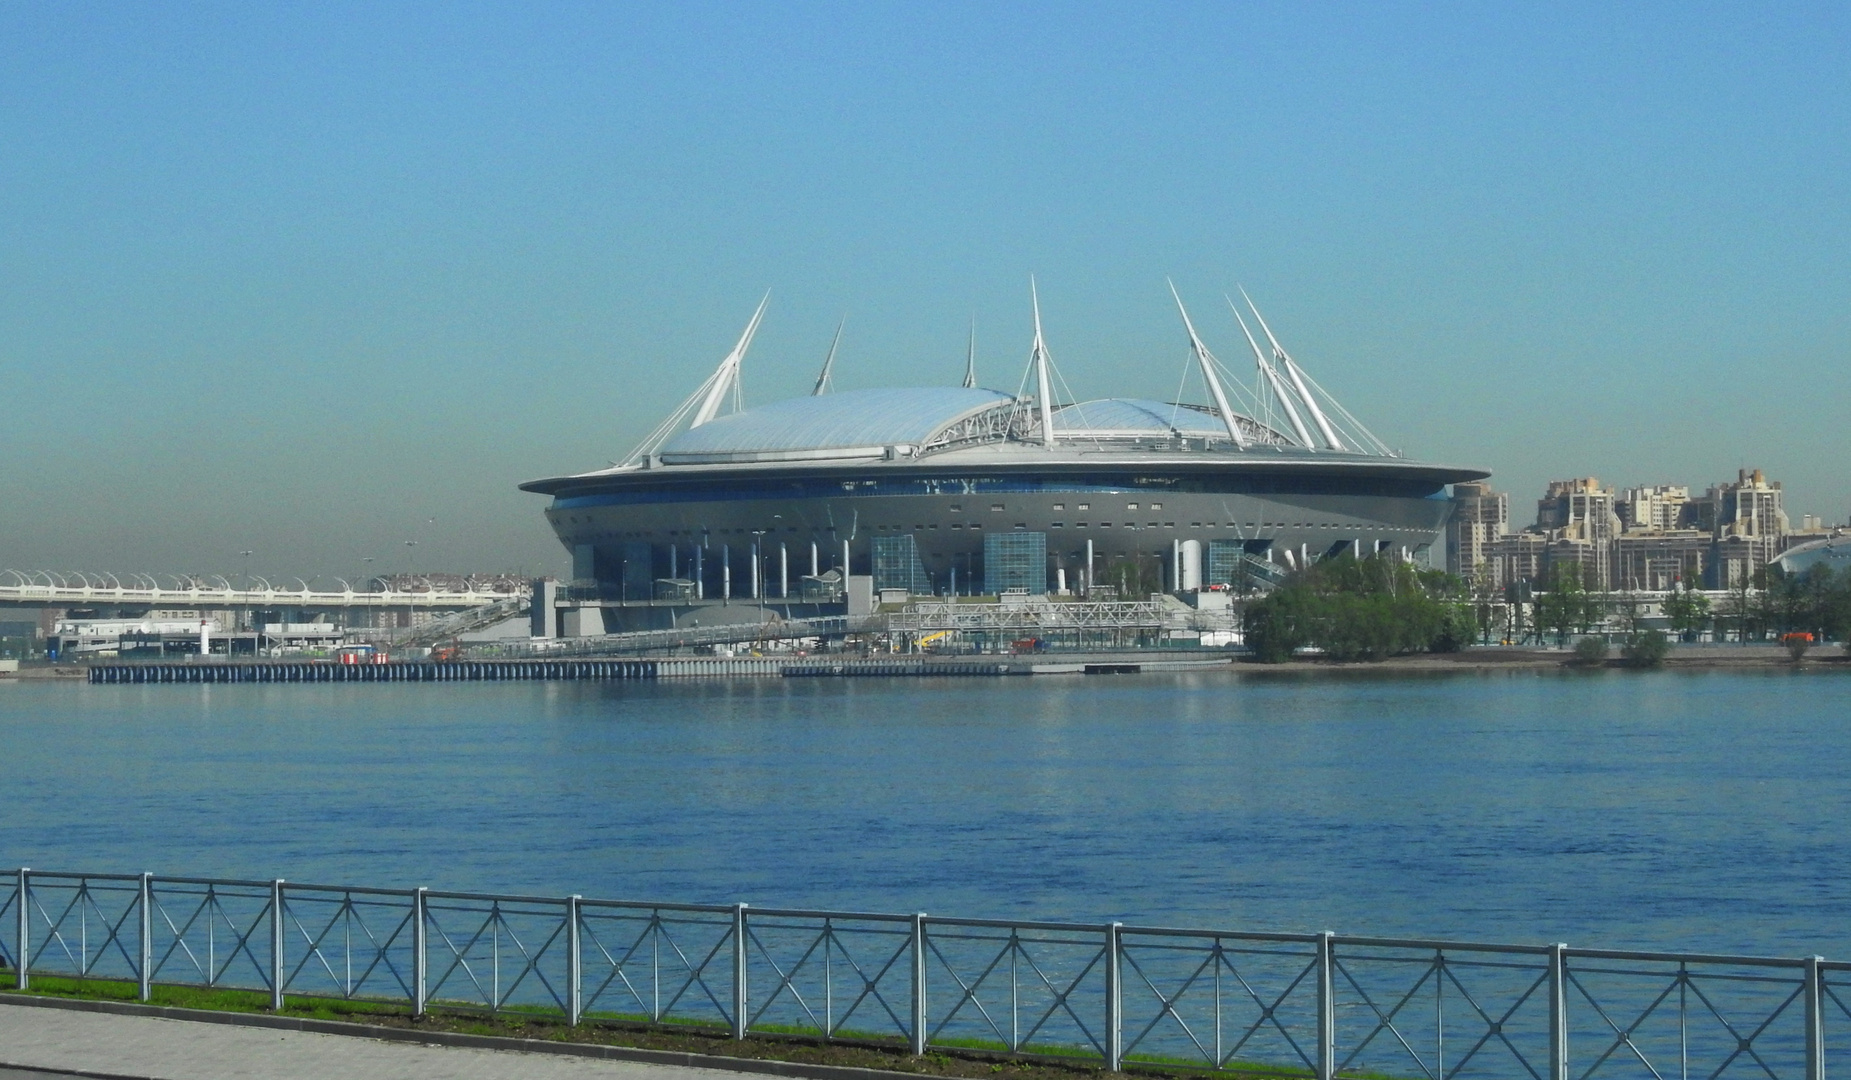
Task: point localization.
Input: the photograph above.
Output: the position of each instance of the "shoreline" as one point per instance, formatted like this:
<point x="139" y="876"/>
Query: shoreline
<point x="1719" y="657"/>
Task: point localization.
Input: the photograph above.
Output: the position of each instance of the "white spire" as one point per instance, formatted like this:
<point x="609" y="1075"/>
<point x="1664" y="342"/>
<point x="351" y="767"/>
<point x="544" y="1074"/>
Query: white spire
<point x="1039" y="355"/>
<point x="1204" y="358"/>
<point x="1272" y="379"/>
<point x="970" y="356"/>
<point x="822" y="381"/>
<point x="726" y="376"/>
<point x="1291" y="371"/>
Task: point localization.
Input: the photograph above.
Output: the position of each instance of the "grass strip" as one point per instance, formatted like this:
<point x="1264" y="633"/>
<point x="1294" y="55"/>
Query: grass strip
<point x="956" y="1058"/>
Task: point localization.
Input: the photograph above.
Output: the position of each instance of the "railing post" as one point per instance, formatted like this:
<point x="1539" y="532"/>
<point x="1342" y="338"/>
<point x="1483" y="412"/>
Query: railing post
<point x="276" y="945"/>
<point x="145" y="972"/>
<point x="420" y="965"/>
<point x="1114" y="1003"/>
<point x="1815" y="1020"/>
<point x="739" y="971"/>
<point x="1558" y="1011"/>
<point x="1327" y="1009"/>
<point x="23" y="942"/>
<point x="919" y="984"/>
<point x="574" y="998"/>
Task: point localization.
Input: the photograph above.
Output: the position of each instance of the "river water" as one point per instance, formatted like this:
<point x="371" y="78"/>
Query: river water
<point x="1684" y="811"/>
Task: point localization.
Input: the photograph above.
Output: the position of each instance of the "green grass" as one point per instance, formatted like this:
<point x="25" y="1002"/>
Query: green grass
<point x="952" y="1057"/>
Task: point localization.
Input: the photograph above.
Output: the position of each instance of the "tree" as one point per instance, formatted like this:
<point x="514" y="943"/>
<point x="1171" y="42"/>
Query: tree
<point x="1688" y="611"/>
<point x="1361" y="609"/>
<point x="1567" y="607"/>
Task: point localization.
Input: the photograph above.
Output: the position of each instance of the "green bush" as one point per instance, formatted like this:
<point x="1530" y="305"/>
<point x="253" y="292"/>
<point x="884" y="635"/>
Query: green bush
<point x="1360" y="609"/>
<point x="1646" y="648"/>
<point x="1591" y="651"/>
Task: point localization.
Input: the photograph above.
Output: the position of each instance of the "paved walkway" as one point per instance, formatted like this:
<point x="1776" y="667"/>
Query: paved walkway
<point x="139" y="1046"/>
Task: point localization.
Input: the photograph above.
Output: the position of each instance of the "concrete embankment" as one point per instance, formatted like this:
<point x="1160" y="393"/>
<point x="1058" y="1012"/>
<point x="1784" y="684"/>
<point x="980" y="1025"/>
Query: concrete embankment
<point x="660" y="668"/>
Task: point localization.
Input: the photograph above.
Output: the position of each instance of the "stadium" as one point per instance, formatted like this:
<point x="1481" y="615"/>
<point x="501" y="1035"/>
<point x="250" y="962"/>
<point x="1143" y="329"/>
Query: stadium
<point x="961" y="490"/>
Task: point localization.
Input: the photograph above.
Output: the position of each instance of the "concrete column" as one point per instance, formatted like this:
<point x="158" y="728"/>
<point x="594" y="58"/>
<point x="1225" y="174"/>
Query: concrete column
<point x="784" y="572"/>
<point x="726" y="571"/>
<point x="543" y="601"/>
<point x="700" y="573"/>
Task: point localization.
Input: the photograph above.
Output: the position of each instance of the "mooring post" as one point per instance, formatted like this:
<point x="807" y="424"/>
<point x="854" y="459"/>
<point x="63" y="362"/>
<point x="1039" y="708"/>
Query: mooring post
<point x="1114" y="1002"/>
<point x="1558" y="1011"/>
<point x="574" y="999"/>
<point x="22" y="953"/>
<point x="145" y="965"/>
<point x="420" y="965"/>
<point x="276" y="945"/>
<point x="1815" y="1020"/>
<point x="919" y="984"/>
<point x="1327" y="1009"/>
<point x="739" y="971"/>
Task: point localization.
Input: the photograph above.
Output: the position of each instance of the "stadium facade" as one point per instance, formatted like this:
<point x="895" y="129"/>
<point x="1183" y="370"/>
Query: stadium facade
<point x="960" y="489"/>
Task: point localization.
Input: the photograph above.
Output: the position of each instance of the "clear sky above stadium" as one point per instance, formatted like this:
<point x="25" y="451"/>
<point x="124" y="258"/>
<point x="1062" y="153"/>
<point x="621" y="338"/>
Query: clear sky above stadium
<point x="314" y="280"/>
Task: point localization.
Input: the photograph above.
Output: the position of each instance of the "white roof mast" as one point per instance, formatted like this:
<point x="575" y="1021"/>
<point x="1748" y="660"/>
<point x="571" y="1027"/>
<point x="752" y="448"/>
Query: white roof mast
<point x="1291" y="370"/>
<point x="1039" y="354"/>
<point x="1272" y="379"/>
<point x="822" y="381"/>
<point x="970" y="356"/>
<point x="726" y="377"/>
<point x="1203" y="357"/>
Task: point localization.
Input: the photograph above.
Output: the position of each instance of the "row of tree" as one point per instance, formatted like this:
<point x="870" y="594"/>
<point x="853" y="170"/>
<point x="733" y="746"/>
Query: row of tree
<point x="1768" y="605"/>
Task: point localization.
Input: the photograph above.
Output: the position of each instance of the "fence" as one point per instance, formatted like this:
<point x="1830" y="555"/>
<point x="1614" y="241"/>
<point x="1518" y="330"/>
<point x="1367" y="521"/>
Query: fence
<point x="1317" y="1005"/>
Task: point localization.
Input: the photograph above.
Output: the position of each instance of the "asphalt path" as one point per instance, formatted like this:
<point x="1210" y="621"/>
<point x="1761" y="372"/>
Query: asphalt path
<point x="40" y="1043"/>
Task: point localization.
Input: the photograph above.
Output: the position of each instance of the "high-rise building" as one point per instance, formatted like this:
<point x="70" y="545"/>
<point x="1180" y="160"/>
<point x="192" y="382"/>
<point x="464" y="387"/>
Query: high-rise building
<point x="1581" y="512"/>
<point x="1751" y="507"/>
<point x="1659" y="506"/>
<point x="1480" y="517"/>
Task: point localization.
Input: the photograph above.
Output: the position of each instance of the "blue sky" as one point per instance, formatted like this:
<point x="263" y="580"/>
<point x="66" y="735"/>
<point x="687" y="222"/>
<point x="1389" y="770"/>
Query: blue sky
<point x="313" y="280"/>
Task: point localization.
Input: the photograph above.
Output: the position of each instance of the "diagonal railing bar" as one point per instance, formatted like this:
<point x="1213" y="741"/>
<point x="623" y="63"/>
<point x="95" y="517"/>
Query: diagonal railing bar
<point x="784" y="979"/>
<point x="346" y="916"/>
<point x="495" y="925"/>
<point x="1622" y="1036"/>
<point x="458" y="957"/>
<point x="1828" y="988"/>
<point x="83" y="903"/>
<point x="968" y="991"/>
<point x="1742" y="1045"/>
<point x="830" y="939"/>
<point x="1167" y="1004"/>
<point x="1061" y="997"/>
<point x="209" y="970"/>
<point x="870" y="987"/>
<point x="1386" y="1021"/>
<point x="11" y="897"/>
<point x="1269" y="1013"/>
<point x="658" y="927"/>
<point x="617" y="974"/>
<point x="1494" y="1028"/>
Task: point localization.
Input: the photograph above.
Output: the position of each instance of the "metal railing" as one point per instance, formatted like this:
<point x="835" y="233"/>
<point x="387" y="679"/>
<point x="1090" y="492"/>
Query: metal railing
<point x="1317" y="1005"/>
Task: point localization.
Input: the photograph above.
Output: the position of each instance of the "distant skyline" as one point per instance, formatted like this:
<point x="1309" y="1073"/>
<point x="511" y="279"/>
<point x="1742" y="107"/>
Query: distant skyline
<point x="312" y="281"/>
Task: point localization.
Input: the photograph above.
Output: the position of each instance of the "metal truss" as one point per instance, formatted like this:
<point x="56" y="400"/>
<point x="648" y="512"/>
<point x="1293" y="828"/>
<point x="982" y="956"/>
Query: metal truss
<point x="1048" y="616"/>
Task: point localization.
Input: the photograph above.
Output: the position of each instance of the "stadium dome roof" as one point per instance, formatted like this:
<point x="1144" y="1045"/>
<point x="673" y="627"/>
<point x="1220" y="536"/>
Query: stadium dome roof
<point x="832" y="425"/>
<point x="1135" y="416"/>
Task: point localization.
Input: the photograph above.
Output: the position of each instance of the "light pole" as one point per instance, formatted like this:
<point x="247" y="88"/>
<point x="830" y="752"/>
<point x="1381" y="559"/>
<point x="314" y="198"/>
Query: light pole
<point x="411" y="569"/>
<point x="246" y="555"/>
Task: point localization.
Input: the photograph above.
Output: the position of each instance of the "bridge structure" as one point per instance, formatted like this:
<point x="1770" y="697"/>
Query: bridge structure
<point x="43" y="589"/>
<point x="87" y="612"/>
